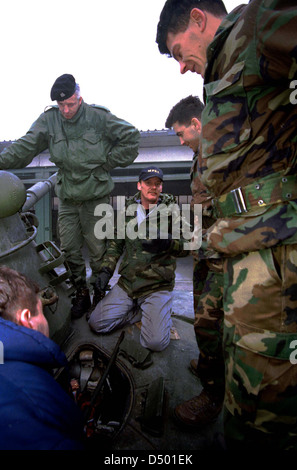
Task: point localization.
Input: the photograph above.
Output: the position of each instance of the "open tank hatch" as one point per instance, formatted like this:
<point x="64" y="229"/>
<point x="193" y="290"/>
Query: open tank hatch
<point x="102" y="388"/>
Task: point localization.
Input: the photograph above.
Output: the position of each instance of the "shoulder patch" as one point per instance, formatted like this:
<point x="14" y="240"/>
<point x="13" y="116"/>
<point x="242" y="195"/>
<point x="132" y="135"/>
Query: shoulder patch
<point x="100" y="107"/>
<point x="48" y="108"/>
<point x="132" y="199"/>
<point x="168" y="199"/>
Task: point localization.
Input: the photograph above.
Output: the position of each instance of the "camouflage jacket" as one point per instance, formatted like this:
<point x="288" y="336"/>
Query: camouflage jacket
<point x="249" y="128"/>
<point x="141" y="272"/>
<point x="199" y="192"/>
<point x="84" y="148"/>
<point x="200" y="195"/>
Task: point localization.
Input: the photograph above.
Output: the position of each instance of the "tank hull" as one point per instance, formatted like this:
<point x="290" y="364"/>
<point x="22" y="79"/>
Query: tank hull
<point x="20" y="252"/>
<point x="42" y="263"/>
<point x="155" y="389"/>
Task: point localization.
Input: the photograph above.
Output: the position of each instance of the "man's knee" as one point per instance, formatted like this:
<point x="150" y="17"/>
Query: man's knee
<point x="98" y="323"/>
<point x="155" y="343"/>
<point x="94" y="324"/>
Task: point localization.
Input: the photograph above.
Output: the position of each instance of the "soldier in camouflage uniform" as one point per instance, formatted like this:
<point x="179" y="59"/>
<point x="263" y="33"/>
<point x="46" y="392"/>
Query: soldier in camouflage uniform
<point x="147" y="270"/>
<point x="85" y="142"/>
<point x="185" y="119"/>
<point x="248" y="60"/>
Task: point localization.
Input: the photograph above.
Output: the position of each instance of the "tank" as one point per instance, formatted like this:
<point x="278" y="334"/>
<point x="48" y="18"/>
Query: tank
<point x="44" y="263"/>
<point x="126" y="393"/>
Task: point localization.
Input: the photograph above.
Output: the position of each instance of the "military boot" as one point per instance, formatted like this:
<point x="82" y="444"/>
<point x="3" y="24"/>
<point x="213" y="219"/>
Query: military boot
<point x="100" y="287"/>
<point x="200" y="410"/>
<point x="81" y="303"/>
<point x="97" y="296"/>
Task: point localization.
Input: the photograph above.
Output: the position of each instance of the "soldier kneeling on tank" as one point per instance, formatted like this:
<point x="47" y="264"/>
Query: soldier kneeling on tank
<point x="147" y="271"/>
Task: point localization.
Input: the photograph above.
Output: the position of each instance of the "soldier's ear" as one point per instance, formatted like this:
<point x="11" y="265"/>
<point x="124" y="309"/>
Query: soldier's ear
<point x="196" y="123"/>
<point x="24" y="318"/>
<point x="199" y="17"/>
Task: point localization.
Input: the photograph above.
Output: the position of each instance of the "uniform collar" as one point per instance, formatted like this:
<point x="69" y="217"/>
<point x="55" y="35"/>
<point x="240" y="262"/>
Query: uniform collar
<point x="221" y="35"/>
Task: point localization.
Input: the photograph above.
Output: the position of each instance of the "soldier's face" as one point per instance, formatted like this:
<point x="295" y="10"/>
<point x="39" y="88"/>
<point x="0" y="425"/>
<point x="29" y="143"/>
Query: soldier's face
<point x="69" y="107"/>
<point x="189" y="135"/>
<point x="188" y="48"/>
<point x="150" y="190"/>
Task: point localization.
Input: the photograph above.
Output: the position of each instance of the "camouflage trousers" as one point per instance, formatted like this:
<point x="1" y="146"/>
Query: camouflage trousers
<point x="260" y="343"/>
<point x="208" y="326"/>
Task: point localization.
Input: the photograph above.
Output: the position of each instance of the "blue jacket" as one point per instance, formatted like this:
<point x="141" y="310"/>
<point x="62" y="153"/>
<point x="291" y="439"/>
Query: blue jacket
<point x="35" y="412"/>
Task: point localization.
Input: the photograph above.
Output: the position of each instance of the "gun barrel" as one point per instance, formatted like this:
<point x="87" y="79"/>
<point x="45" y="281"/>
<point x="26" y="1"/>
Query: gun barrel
<point x="37" y="191"/>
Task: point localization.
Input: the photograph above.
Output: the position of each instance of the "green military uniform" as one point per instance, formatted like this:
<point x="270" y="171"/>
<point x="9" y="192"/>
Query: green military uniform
<point x="142" y="272"/>
<point x="249" y="166"/>
<point x="146" y="278"/>
<point x="84" y="148"/>
<point x="208" y="299"/>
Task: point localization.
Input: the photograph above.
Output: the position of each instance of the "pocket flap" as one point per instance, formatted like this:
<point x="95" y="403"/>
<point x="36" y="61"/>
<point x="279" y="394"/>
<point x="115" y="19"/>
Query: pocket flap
<point x="264" y="342"/>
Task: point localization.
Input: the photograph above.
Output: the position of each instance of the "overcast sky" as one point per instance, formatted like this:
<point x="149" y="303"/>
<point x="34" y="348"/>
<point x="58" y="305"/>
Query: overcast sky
<point x="108" y="45"/>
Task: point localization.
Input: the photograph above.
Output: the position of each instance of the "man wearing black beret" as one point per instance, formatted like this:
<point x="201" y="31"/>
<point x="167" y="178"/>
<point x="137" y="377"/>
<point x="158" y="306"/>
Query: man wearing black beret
<point x="85" y="142"/>
<point x="63" y="88"/>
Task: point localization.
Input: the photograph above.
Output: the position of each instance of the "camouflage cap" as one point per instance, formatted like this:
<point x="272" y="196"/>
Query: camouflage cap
<point x="150" y="172"/>
<point x="63" y="88"/>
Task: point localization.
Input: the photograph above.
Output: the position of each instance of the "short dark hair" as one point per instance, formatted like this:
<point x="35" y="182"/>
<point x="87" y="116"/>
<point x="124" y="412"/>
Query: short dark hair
<point x="175" y="17"/>
<point x="184" y="111"/>
<point x="16" y="292"/>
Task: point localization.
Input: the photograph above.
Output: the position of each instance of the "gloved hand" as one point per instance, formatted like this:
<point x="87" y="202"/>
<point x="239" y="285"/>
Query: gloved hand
<point x="101" y="284"/>
<point x="157" y="245"/>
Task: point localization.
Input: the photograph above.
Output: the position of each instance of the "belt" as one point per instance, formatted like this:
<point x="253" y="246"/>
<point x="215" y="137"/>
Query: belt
<point x="261" y="193"/>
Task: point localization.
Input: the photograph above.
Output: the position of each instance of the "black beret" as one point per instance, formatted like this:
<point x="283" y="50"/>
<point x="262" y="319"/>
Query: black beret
<point x="63" y="88"/>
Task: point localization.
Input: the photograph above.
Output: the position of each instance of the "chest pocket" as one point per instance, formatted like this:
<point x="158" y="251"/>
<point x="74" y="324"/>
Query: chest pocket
<point x="93" y="147"/>
<point x="58" y="148"/>
<point x="225" y="120"/>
